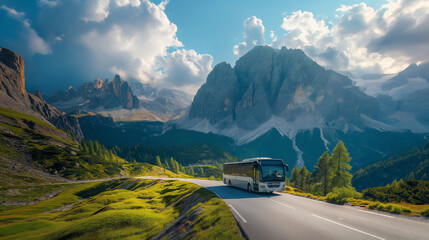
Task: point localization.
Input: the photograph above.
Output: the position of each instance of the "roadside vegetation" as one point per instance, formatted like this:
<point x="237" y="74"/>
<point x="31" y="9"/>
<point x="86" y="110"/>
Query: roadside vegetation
<point x="123" y="209"/>
<point x="331" y="181"/>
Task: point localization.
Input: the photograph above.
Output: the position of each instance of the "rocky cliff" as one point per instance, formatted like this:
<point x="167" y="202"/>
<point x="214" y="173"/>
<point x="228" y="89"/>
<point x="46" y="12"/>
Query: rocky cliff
<point x="97" y="94"/>
<point x="14" y="96"/>
<point x="279" y="87"/>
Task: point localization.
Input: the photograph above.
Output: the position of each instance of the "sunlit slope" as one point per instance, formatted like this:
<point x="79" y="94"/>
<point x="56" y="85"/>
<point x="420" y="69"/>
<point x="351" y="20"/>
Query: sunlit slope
<point x="124" y="209"/>
<point x="33" y="151"/>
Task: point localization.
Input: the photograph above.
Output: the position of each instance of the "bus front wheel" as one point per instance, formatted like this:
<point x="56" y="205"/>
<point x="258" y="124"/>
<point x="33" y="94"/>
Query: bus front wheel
<point x="249" y="188"/>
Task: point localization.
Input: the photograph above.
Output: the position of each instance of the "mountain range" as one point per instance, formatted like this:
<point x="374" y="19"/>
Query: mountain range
<point x="122" y="100"/>
<point x="281" y="103"/>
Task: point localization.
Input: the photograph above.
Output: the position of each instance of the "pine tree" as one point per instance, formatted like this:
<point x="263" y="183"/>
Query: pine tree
<point x="339" y="163"/>
<point x="294" y="177"/>
<point x="158" y="161"/>
<point x="304" y="177"/>
<point x="322" y="172"/>
<point x="202" y="171"/>
<point x="166" y="165"/>
<point x="191" y="172"/>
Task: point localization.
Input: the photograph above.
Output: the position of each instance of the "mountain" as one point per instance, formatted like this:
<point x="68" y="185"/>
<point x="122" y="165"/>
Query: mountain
<point x="14" y="96"/>
<point x="280" y="103"/>
<point x="165" y="103"/>
<point x="97" y="94"/>
<point x="413" y="163"/>
<point x="123" y="101"/>
<point x="403" y="97"/>
<point x="281" y="89"/>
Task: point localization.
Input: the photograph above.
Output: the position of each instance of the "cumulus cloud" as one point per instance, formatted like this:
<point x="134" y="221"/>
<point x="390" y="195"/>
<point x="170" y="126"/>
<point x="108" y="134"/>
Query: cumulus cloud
<point x="133" y="43"/>
<point x="96" y="10"/>
<point x="362" y="39"/>
<point x="35" y="44"/>
<point x="100" y="38"/>
<point x="253" y="35"/>
<point x="184" y="70"/>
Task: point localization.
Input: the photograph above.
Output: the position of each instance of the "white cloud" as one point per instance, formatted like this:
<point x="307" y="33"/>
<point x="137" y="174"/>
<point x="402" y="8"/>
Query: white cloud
<point x="135" y="42"/>
<point x="96" y="10"/>
<point x="35" y="43"/>
<point x="253" y="35"/>
<point x="185" y="70"/>
<point x="364" y="40"/>
<point x="49" y="3"/>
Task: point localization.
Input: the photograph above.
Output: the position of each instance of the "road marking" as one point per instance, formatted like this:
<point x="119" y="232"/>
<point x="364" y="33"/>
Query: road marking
<point x="357" y="230"/>
<point x="375" y="213"/>
<point x="281" y="203"/>
<point x="238" y="214"/>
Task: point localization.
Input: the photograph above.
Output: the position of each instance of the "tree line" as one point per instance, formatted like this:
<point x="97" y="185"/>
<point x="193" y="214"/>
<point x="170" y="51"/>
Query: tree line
<point x="330" y="172"/>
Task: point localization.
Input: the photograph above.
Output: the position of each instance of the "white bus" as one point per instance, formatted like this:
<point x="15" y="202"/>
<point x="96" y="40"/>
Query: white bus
<point x="256" y="174"/>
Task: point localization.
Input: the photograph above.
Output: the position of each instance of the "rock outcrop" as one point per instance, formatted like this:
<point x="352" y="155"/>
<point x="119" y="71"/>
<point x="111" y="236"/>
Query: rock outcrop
<point x="284" y="84"/>
<point x="97" y="94"/>
<point x="14" y="96"/>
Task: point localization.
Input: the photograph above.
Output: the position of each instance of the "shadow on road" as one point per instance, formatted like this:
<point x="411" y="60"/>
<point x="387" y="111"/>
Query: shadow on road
<point x="226" y="192"/>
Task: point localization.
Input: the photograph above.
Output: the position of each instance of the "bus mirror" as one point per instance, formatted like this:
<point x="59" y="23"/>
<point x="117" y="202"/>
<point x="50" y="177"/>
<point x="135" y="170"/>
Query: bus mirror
<point x="255" y="164"/>
<point x="287" y="167"/>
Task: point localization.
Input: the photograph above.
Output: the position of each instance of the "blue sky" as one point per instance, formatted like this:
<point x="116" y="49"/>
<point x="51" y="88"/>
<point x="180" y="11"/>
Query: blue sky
<point x="176" y="43"/>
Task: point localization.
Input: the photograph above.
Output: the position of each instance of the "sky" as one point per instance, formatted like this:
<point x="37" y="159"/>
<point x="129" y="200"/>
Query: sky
<point x="176" y="43"/>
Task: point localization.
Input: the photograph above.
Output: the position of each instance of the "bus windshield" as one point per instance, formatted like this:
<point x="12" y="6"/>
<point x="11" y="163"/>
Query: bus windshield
<point x="272" y="173"/>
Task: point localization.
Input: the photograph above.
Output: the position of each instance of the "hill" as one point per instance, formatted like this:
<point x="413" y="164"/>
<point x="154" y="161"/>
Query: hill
<point x="412" y="164"/>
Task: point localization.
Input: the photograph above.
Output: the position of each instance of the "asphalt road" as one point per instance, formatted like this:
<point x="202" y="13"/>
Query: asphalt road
<point x="285" y="216"/>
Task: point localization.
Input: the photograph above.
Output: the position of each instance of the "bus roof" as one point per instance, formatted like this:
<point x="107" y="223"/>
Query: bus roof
<point x="258" y="159"/>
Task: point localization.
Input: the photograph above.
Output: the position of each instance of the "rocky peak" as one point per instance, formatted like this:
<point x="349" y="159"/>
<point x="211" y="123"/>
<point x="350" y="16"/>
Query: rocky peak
<point x="98" y="83"/>
<point x="13" y="65"/>
<point x="14" y="96"/>
<point x="38" y="94"/>
<point x="286" y="84"/>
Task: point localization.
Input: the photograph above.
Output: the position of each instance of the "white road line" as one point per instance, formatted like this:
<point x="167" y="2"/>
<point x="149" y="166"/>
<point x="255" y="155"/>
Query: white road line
<point x="238" y="214"/>
<point x="357" y="230"/>
<point x="282" y="204"/>
<point x="360" y="210"/>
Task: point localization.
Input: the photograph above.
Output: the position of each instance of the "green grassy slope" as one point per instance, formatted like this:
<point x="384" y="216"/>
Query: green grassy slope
<point x="124" y="209"/>
<point x="32" y="151"/>
<point x="410" y="164"/>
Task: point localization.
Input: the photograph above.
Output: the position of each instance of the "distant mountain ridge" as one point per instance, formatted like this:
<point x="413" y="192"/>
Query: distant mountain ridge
<point x="106" y="94"/>
<point x="122" y="100"/>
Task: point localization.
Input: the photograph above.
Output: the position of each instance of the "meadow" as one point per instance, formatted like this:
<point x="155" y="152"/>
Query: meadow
<point x="118" y="209"/>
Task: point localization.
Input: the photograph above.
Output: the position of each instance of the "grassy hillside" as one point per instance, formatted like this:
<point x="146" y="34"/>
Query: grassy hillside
<point x="412" y="164"/>
<point x="123" y="209"/>
<point x="33" y="151"/>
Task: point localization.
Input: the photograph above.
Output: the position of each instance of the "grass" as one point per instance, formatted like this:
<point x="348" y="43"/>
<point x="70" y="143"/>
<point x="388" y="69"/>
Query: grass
<point x="123" y="209"/>
<point x="398" y="208"/>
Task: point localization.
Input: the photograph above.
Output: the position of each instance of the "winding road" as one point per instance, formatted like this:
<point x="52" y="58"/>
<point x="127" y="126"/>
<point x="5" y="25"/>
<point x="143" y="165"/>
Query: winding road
<point x="286" y="216"/>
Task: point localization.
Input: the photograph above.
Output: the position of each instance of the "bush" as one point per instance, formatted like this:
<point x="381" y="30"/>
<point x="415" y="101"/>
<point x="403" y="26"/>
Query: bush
<point x="341" y="195"/>
<point x="425" y="212"/>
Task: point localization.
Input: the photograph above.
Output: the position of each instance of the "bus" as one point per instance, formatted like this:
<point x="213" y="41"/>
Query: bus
<point x="260" y="174"/>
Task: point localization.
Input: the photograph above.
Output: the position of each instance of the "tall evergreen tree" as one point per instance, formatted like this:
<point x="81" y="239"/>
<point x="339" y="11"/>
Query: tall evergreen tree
<point x="191" y="171"/>
<point x="294" y="177"/>
<point x="304" y="179"/>
<point x="158" y="161"/>
<point x="339" y="163"/>
<point x="322" y="172"/>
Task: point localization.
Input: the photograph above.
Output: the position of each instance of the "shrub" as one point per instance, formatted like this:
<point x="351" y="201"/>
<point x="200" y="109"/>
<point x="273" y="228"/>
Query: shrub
<point x="425" y="212"/>
<point x="341" y="195"/>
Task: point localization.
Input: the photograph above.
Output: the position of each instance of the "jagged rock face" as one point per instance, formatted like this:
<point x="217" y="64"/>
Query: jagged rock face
<point x="98" y="93"/>
<point x="12" y="70"/>
<point x="14" y="96"/>
<point x="284" y="83"/>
